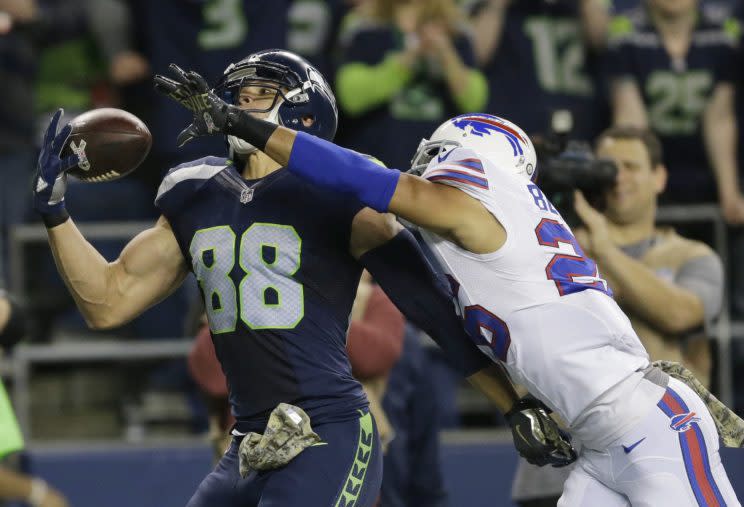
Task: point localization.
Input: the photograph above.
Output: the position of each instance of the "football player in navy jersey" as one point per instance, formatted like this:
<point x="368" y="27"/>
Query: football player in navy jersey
<point x="278" y="266"/>
<point x="672" y="67"/>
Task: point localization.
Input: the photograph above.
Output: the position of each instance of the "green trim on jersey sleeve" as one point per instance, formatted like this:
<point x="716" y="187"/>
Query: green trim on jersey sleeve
<point x="11" y="439"/>
<point x="360" y="87"/>
<point x="474" y="96"/>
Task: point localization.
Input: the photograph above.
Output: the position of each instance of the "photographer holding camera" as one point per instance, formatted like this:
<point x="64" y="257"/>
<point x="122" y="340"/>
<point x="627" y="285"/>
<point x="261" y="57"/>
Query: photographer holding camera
<point x="670" y="287"/>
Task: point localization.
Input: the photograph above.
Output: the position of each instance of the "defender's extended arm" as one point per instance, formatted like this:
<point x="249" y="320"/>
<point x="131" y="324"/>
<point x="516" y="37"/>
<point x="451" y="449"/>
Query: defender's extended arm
<point x="444" y="210"/>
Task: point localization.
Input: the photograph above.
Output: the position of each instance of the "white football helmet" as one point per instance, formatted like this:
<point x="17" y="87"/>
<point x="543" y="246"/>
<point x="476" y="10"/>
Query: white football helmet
<point x="495" y="139"/>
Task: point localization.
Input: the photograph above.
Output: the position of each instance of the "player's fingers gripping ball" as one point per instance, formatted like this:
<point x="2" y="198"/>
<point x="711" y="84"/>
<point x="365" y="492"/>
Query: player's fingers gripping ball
<point x="537" y="437"/>
<point x="50" y="182"/>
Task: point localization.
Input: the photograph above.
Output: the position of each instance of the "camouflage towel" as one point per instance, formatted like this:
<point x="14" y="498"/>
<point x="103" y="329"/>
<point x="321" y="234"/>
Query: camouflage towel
<point x="287" y="434"/>
<point x="730" y="426"/>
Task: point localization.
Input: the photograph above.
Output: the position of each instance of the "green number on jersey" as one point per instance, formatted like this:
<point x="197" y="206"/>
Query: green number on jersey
<point x="225" y="22"/>
<point x="267" y="297"/>
<point x="677" y="100"/>
<point x="559" y="55"/>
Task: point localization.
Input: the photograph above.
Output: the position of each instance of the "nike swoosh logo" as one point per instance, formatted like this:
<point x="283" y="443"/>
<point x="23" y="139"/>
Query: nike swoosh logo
<point x="446" y="155"/>
<point x="319" y="444"/>
<point x="633" y="446"/>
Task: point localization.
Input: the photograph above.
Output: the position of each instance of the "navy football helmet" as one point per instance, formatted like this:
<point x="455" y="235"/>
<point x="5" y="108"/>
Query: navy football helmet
<point x="302" y="89"/>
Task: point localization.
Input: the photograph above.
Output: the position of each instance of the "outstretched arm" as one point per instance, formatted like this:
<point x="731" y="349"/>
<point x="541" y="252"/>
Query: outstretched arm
<point x="447" y="211"/>
<point x="444" y="210"/>
<point x="110" y="294"/>
<point x="107" y="293"/>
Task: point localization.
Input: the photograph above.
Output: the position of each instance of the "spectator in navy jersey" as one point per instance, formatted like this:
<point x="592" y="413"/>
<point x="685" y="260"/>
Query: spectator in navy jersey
<point x="672" y="67"/>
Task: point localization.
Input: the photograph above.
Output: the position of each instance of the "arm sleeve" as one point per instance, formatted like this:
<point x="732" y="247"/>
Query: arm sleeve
<point x="475" y="95"/>
<point x="704" y="277"/>
<point x="375" y="342"/>
<point x="343" y="170"/>
<point x="369" y="75"/>
<point x="361" y="87"/>
<point x="406" y="276"/>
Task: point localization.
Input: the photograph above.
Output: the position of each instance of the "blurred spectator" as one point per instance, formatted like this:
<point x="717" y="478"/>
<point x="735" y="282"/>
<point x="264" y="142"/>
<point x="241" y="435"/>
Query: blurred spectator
<point x="13" y="485"/>
<point x="206" y="371"/>
<point x="540" y="56"/>
<point x="405" y="68"/>
<point x="672" y="68"/>
<point x="670" y="287"/>
<point x="26" y="26"/>
<point x="412" y="471"/>
<point x="12" y="321"/>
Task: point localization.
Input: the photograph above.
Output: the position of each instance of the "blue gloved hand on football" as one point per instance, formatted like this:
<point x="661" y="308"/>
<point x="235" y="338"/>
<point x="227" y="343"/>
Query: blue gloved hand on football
<point x="50" y="182"/>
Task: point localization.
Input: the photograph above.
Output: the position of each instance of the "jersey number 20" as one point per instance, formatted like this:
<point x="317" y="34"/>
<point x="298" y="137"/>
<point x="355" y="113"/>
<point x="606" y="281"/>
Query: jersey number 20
<point x="267" y="296"/>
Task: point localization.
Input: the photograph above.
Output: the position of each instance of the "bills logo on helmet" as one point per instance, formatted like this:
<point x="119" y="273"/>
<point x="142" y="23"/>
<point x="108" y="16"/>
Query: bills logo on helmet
<point x="682" y="422"/>
<point x="480" y="126"/>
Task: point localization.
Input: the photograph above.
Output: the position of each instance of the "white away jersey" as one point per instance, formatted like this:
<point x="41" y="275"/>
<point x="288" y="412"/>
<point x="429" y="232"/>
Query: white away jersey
<point x="538" y="303"/>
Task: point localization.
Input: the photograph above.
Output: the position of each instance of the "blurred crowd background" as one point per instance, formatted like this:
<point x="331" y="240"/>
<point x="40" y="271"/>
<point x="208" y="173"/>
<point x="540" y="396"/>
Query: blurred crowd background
<point x="564" y="70"/>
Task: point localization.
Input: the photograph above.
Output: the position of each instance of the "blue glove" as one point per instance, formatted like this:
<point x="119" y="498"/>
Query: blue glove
<point x="50" y="182"/>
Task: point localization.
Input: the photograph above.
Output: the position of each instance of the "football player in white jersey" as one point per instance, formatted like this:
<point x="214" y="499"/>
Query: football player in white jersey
<point x="530" y="298"/>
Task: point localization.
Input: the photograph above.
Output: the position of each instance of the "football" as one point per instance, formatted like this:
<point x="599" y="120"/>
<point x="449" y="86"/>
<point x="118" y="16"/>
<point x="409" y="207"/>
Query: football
<point x="111" y="143"/>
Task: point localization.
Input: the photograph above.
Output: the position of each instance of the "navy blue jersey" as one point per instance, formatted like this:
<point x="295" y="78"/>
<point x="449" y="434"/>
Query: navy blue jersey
<point x="542" y="65"/>
<point x="676" y="92"/>
<point x="393" y="130"/>
<point x="204" y="36"/>
<point x="273" y="264"/>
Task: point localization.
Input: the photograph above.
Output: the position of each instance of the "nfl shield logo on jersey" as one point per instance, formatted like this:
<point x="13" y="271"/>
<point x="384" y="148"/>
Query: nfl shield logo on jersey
<point x="683" y="422"/>
<point x="246" y="195"/>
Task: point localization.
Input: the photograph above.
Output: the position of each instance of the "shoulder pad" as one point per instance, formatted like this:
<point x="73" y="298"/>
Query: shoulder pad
<point x="184" y="180"/>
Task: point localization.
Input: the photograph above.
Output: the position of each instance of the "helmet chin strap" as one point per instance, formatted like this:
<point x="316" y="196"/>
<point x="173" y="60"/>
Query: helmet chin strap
<point x="241" y="147"/>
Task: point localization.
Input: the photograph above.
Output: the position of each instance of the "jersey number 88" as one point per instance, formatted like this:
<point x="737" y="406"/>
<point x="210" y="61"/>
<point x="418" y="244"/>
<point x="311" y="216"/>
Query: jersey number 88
<point x="267" y="296"/>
